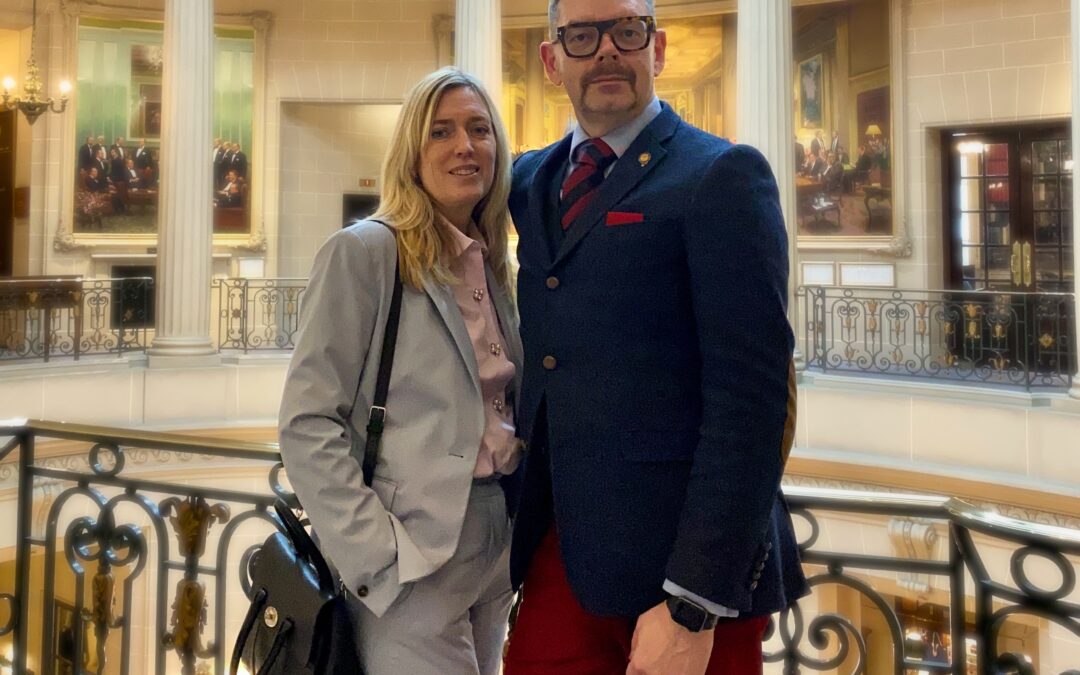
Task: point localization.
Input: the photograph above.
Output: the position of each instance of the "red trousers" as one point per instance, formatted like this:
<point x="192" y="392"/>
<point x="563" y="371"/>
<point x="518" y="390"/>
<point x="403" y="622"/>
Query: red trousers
<point x="555" y="636"/>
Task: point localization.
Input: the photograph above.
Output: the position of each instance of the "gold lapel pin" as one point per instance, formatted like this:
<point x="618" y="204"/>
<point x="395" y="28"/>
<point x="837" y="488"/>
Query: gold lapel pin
<point x="644" y="158"/>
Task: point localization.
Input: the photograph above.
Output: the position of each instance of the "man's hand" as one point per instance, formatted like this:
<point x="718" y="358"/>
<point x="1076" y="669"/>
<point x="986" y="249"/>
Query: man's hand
<point x="663" y="647"/>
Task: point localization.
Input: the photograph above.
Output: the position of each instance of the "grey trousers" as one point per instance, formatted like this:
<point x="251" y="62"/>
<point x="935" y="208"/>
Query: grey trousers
<point x="452" y="622"/>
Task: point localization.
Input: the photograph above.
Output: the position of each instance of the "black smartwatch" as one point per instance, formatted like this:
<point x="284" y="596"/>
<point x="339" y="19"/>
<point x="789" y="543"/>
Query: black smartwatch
<point x="690" y="615"/>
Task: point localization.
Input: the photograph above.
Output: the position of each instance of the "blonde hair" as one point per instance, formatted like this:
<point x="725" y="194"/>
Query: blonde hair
<point x="423" y="241"/>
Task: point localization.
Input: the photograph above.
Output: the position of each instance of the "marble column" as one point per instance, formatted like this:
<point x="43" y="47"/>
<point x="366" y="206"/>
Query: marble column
<point x="765" y="117"/>
<point x="444" y="40"/>
<point x="185" y="222"/>
<point x="1074" y="19"/>
<point x="478" y="42"/>
<point x="534" y="89"/>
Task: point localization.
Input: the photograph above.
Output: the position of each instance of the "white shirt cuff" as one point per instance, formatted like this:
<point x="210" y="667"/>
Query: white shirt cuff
<point x="673" y="588"/>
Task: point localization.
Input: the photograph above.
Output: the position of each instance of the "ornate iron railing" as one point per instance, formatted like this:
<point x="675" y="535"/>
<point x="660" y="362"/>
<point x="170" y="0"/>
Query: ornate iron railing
<point x="258" y="314"/>
<point x="1009" y="339"/>
<point x="46" y="318"/>
<point x="94" y="522"/>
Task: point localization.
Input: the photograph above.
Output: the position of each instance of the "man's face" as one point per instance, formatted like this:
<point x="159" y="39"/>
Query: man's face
<point x="611" y="84"/>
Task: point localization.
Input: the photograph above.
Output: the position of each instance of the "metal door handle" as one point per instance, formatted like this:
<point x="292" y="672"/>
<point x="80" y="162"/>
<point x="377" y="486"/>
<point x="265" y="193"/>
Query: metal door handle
<point x="1014" y="264"/>
<point x="1027" y="264"/>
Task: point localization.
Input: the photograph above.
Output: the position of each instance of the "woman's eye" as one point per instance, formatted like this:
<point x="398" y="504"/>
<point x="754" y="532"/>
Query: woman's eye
<point x="481" y="130"/>
<point x="439" y="132"/>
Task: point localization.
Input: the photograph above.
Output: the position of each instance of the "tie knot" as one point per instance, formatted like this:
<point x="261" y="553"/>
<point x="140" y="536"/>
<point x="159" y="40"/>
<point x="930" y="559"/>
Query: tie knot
<point x="596" y="153"/>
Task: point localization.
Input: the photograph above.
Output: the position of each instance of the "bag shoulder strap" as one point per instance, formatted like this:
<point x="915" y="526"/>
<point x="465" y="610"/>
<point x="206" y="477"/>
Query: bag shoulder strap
<point x="377" y="413"/>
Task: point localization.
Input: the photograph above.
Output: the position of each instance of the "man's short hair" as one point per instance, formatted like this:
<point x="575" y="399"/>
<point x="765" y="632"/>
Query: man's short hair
<point x="553" y="13"/>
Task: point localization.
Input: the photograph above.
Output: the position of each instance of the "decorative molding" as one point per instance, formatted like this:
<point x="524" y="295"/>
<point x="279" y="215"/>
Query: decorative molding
<point x="65" y="242"/>
<point x="261" y="21"/>
<point x="914" y="539"/>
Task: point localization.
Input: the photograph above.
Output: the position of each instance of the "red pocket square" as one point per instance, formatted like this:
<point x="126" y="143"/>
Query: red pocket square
<point x="623" y="218"/>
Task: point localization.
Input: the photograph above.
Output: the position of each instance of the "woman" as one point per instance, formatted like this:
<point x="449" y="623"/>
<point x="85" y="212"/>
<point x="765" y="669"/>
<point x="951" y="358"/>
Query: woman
<point x="423" y="553"/>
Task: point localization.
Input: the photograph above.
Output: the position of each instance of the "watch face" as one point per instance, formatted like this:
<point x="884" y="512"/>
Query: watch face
<point x="687" y="614"/>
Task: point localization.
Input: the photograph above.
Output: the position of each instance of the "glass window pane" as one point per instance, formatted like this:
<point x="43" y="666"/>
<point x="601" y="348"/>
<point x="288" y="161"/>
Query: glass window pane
<point x="970" y="194"/>
<point x="971" y="231"/>
<point x="1068" y="265"/>
<point x="970" y="160"/>
<point x="1046" y="227"/>
<point x="1045" y="193"/>
<point x="1047" y="264"/>
<point x="997" y="159"/>
<point x="1044" y="157"/>
<point x="1066" y="227"/>
<point x="1066" y="193"/>
<point x="997" y="194"/>
<point x="1066" y="156"/>
<point x="971" y="262"/>
<point x="997" y="228"/>
<point x="998" y="258"/>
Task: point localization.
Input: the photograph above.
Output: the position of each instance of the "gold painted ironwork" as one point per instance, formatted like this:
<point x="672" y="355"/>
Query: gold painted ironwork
<point x="849" y="352"/>
<point x="921" y="327"/>
<point x="972" y="330"/>
<point x="1047" y="341"/>
<point x="871" y="324"/>
<point x="999" y="363"/>
<point x="103" y="587"/>
<point x="189" y="620"/>
<point x="192" y="520"/>
<point x="999" y="330"/>
<point x="949" y="329"/>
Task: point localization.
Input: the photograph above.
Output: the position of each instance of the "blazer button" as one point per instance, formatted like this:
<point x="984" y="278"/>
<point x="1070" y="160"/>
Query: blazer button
<point x="362" y="592"/>
<point x="552" y="282"/>
<point x="550" y="363"/>
<point x="753" y="586"/>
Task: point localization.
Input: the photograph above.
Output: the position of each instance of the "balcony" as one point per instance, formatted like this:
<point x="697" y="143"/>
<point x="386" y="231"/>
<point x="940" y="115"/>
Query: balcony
<point x="1005" y="340"/>
<point x="129" y="555"/>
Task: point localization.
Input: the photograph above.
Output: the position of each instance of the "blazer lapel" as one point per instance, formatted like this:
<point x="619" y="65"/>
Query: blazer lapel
<point x="443" y="299"/>
<point x="644" y="154"/>
<point x="540" y="196"/>
<point x="504" y="309"/>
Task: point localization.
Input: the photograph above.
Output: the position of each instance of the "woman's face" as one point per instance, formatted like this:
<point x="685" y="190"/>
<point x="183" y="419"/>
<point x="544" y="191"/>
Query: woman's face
<point x="457" y="161"/>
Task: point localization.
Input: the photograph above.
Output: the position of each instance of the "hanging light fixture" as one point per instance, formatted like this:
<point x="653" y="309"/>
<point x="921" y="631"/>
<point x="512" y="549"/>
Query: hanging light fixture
<point x="31" y="102"/>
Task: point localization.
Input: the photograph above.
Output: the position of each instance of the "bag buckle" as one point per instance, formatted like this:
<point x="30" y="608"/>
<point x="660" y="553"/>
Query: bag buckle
<point x="376" y="419"/>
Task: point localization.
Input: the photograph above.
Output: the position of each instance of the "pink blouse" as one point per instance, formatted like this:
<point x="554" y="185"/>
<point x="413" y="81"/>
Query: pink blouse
<point x="498" y="448"/>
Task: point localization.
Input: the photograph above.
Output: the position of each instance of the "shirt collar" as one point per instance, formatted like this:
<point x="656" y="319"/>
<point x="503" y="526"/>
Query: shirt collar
<point x="620" y="139"/>
<point x="463" y="241"/>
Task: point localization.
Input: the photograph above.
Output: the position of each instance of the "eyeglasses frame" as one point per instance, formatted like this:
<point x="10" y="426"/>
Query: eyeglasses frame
<point x="604" y="27"/>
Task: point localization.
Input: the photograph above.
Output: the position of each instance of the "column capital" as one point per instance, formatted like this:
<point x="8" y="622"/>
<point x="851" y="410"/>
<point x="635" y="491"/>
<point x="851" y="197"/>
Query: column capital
<point x="261" y="21"/>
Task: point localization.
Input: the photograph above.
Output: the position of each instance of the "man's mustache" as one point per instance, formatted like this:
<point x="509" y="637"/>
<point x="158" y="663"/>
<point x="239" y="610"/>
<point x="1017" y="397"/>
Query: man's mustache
<point x="612" y="70"/>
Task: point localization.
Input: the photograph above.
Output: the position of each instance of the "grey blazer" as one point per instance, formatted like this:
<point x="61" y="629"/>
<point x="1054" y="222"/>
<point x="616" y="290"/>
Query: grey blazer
<point x="407" y="524"/>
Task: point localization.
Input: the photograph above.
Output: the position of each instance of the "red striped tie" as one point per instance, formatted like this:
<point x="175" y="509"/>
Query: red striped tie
<point x="579" y="188"/>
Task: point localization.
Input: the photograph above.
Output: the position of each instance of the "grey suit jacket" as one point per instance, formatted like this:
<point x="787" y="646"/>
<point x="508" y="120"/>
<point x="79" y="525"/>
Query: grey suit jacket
<point x="407" y="525"/>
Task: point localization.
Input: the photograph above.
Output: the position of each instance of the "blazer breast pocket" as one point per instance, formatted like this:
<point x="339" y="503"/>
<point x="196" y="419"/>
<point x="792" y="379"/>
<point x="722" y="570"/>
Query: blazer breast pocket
<point x="617" y="218"/>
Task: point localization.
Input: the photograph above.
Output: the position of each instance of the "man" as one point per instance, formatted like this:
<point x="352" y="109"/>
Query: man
<point x="818" y="144"/>
<point x="120" y="149"/>
<point x="800" y="156"/>
<point x="834" y="146"/>
<point x="239" y="162"/>
<point x="229" y="195"/>
<point x="86" y="154"/>
<point x="142" y="155"/>
<point x="658" y="401"/>
<point x="131" y="175"/>
<point x="100" y="145"/>
<point x="219" y="162"/>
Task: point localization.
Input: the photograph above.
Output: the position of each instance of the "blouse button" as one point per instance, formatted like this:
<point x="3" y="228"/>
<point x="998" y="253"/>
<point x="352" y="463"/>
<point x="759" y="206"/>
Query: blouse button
<point x="478" y="294"/>
<point x="498" y="405"/>
<point x="495" y="348"/>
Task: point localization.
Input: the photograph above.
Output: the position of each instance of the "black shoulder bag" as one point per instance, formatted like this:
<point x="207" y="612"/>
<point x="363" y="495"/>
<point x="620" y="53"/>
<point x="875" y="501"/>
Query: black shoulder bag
<point x="298" y="621"/>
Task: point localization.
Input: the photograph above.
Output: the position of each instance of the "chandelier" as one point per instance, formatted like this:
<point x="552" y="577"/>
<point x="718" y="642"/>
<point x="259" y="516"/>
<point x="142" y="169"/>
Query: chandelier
<point x="31" y="102"/>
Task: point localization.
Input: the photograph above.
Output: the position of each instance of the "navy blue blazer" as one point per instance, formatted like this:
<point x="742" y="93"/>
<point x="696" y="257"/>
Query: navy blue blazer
<point x="659" y="393"/>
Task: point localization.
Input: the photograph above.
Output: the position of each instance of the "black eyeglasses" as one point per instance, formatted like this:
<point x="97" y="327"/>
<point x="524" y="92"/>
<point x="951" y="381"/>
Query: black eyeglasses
<point x="629" y="33"/>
